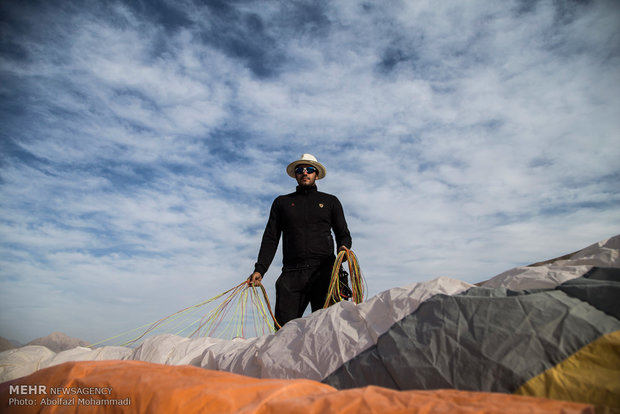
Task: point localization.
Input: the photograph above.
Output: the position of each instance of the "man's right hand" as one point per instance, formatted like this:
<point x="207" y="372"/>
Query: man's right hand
<point x="255" y="279"/>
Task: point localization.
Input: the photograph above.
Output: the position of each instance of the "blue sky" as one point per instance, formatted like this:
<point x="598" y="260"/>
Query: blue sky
<point x="142" y="143"/>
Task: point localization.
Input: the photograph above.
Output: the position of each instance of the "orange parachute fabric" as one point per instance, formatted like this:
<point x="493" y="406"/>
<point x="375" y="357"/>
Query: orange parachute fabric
<point x="143" y="387"/>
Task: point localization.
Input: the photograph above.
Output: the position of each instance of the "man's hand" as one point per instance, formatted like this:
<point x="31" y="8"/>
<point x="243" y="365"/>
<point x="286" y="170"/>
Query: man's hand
<point x="340" y="249"/>
<point x="255" y="279"/>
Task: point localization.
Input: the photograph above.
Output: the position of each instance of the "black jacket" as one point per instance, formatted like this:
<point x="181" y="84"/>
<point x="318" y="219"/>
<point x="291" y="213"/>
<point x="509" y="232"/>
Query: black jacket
<point x="305" y="218"/>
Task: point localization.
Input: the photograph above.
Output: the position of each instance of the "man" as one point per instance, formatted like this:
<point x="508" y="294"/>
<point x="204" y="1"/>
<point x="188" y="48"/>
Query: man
<point x="305" y="218"/>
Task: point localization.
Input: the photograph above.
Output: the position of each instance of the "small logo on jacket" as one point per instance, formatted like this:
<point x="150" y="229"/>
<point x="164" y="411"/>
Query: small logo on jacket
<point x="321" y="205"/>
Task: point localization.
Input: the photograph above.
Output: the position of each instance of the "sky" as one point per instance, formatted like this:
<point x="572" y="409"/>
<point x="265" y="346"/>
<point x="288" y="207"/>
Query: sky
<point x="142" y="143"/>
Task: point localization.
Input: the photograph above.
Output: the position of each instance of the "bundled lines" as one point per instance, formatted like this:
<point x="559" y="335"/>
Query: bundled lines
<point x="338" y="289"/>
<point x="242" y="311"/>
<point x="277" y="325"/>
<point x="210" y="322"/>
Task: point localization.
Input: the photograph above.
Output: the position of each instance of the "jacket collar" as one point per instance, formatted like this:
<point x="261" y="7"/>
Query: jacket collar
<point x="305" y="190"/>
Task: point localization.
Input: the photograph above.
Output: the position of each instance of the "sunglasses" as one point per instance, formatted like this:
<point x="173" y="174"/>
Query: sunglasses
<point x="309" y="170"/>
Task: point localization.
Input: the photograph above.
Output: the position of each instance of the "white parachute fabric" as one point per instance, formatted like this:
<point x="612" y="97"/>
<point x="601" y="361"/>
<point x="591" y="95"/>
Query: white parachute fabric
<point x="23" y="361"/>
<point x="602" y="254"/>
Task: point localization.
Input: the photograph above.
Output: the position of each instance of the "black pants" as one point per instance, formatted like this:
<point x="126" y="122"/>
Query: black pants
<point x="299" y="285"/>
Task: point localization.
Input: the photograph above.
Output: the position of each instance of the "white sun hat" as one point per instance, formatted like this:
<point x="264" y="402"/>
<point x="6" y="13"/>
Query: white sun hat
<point x="307" y="159"/>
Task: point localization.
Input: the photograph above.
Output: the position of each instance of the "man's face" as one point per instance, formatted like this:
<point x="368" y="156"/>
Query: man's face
<point x="305" y="179"/>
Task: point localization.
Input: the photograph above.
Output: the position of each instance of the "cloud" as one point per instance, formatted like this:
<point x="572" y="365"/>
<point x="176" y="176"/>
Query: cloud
<point x="143" y="143"/>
